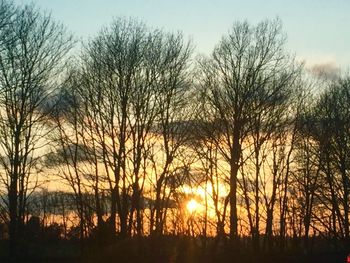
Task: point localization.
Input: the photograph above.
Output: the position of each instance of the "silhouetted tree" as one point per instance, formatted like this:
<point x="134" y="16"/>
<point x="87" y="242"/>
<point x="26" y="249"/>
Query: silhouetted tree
<point x="31" y="53"/>
<point x="246" y="74"/>
<point x="330" y="132"/>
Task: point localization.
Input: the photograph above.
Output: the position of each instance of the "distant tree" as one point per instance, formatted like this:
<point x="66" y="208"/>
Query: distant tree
<point x="33" y="228"/>
<point x="69" y="150"/>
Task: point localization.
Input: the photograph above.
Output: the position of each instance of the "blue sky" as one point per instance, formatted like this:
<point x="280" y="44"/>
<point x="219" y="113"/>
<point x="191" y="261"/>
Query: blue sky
<point x="318" y="31"/>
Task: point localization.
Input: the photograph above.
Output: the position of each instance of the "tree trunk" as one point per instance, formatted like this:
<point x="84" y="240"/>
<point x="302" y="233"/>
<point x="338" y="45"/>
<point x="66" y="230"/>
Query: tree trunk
<point x="234" y="167"/>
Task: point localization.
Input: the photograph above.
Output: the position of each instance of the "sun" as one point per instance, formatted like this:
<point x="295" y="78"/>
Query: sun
<point x="192" y="206"/>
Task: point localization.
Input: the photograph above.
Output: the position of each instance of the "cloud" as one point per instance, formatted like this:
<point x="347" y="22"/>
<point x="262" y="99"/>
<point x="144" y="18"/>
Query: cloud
<point x="321" y="66"/>
<point x="328" y="70"/>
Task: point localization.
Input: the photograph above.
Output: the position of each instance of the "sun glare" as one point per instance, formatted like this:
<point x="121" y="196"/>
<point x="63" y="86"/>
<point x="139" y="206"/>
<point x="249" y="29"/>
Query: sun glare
<point x="192" y="206"/>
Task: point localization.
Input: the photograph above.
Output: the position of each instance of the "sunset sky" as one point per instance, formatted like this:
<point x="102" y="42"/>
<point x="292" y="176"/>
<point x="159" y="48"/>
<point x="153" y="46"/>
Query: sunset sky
<point x="318" y="30"/>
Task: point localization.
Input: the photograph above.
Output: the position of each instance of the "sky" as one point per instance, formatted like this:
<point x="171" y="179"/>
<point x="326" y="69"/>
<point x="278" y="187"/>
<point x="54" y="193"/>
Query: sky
<point x="318" y="31"/>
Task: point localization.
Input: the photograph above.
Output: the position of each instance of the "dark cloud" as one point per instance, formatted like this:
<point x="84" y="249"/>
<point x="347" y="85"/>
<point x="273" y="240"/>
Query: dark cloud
<point x="325" y="70"/>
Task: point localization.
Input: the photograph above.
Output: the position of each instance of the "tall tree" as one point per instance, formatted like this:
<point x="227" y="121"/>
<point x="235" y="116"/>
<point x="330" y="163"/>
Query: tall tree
<point x="131" y="83"/>
<point x="331" y="131"/>
<point x="247" y="71"/>
<point x="31" y="52"/>
<point x="171" y="123"/>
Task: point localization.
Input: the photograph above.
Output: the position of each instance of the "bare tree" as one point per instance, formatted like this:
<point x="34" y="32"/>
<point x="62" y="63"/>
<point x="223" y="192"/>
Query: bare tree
<point x="7" y="11"/>
<point x="131" y="85"/>
<point x="70" y="154"/>
<point x="247" y="71"/>
<point x="272" y="120"/>
<point x="330" y="130"/>
<point x="172" y="122"/>
<point x="31" y="53"/>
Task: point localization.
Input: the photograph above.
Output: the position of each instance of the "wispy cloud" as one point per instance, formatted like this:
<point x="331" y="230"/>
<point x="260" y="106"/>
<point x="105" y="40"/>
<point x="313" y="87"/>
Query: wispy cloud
<point x="323" y="66"/>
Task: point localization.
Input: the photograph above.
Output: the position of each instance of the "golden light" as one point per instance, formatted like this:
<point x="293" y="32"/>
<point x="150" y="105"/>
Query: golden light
<point x="192" y="206"/>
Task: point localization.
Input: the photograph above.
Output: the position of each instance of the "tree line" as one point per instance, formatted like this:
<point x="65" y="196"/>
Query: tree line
<point x="132" y="126"/>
